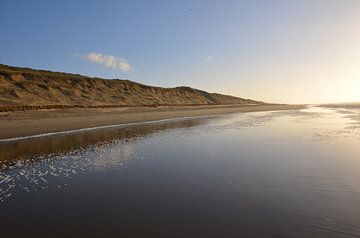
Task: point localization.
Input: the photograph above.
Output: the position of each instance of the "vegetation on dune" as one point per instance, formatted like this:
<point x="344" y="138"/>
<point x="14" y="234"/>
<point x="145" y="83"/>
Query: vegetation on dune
<point x="25" y="88"/>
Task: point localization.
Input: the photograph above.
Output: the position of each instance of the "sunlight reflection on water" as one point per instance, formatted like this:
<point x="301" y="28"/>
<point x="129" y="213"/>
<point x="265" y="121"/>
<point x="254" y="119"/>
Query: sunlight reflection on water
<point x="282" y="172"/>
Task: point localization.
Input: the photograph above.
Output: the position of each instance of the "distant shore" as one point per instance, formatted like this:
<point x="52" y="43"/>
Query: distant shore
<point x="353" y="105"/>
<point x="28" y="123"/>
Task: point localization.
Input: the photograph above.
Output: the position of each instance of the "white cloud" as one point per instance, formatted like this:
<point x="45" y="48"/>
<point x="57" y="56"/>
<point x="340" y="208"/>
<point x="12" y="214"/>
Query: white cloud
<point x="209" y="59"/>
<point x="108" y="61"/>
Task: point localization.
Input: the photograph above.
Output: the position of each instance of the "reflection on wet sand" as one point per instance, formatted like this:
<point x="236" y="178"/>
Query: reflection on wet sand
<point x="264" y="174"/>
<point x="33" y="165"/>
<point x="51" y="145"/>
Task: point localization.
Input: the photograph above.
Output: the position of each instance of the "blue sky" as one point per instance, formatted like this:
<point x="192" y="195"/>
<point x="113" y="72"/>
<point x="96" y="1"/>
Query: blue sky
<point x="285" y="51"/>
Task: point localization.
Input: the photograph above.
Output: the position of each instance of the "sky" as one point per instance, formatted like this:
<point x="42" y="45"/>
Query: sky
<point x="295" y="51"/>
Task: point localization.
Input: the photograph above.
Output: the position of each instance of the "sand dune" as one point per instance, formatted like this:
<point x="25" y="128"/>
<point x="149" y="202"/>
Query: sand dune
<point x="73" y="102"/>
<point x="24" y="88"/>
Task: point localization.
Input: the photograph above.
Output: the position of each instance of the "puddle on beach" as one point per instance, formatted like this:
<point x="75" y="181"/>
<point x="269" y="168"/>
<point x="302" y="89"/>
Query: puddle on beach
<point x="262" y="174"/>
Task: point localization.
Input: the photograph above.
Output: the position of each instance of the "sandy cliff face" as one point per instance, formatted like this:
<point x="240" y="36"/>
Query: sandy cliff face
<point x="23" y="88"/>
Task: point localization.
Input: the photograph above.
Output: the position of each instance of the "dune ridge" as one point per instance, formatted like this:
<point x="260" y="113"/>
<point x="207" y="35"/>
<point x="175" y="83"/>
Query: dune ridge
<point x="28" y="89"/>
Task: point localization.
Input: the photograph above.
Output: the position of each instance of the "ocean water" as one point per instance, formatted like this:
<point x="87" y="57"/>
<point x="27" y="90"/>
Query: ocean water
<point x="262" y="174"/>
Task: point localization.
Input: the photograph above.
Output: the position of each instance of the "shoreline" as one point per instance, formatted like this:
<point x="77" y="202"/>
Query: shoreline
<point x="123" y="125"/>
<point x="30" y="124"/>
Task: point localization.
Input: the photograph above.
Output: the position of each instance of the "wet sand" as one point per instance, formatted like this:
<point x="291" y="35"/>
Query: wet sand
<point x="289" y="173"/>
<point x="27" y="123"/>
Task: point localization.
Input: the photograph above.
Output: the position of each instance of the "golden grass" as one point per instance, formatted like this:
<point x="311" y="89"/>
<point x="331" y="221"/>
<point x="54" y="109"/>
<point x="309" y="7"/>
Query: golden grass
<point x="27" y="89"/>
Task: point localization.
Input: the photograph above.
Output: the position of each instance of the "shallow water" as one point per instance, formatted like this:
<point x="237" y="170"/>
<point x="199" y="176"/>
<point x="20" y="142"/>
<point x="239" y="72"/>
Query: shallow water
<point x="263" y="174"/>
